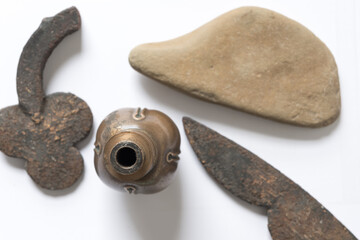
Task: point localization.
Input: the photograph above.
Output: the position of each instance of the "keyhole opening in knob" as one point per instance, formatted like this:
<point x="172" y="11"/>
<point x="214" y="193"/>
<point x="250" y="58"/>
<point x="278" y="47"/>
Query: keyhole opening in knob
<point x="126" y="157"/>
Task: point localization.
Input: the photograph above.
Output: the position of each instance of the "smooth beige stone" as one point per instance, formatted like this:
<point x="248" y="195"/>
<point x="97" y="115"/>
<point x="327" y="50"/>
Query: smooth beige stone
<point x="254" y="60"/>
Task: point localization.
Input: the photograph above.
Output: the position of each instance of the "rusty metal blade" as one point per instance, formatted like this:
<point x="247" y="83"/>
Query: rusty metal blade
<point x="292" y="212"/>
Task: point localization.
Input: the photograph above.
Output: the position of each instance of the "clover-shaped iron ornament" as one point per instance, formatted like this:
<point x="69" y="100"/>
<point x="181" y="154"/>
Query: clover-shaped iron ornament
<point x="44" y="129"/>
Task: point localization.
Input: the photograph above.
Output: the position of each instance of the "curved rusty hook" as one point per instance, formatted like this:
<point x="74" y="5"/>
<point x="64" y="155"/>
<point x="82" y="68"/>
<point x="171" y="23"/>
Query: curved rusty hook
<point x="43" y="129"/>
<point x="35" y="54"/>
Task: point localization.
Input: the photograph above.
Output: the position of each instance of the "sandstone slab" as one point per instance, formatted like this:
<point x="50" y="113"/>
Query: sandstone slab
<point x="251" y="59"/>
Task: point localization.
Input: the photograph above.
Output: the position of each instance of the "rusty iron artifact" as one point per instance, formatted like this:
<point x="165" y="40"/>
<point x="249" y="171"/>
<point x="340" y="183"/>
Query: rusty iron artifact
<point x="44" y="129"/>
<point x="292" y="212"/>
<point x="137" y="150"/>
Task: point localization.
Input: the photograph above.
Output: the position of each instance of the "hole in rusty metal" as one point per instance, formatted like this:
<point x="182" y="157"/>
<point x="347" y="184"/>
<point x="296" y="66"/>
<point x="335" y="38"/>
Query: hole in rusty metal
<point x="126" y="157"/>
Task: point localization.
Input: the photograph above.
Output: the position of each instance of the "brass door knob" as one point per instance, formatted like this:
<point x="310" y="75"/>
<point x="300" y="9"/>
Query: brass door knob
<point x="137" y="150"/>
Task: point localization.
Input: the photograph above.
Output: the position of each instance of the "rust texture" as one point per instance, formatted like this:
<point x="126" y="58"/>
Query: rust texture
<point x="292" y="212"/>
<point x="137" y="150"/>
<point x="44" y="129"/>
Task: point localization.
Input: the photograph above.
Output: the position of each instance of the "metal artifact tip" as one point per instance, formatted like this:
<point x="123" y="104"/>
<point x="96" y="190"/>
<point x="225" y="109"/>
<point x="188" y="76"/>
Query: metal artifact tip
<point x="292" y="212"/>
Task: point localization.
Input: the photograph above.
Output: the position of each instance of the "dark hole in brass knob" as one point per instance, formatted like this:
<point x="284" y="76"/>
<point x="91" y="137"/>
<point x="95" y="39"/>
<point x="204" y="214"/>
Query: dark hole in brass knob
<point x="137" y="150"/>
<point x="126" y="157"/>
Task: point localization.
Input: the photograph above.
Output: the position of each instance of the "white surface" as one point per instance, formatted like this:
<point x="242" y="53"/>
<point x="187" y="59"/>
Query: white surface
<point x="93" y="65"/>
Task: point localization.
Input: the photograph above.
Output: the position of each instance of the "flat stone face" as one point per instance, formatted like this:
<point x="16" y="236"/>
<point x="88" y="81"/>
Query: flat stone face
<point x="254" y="60"/>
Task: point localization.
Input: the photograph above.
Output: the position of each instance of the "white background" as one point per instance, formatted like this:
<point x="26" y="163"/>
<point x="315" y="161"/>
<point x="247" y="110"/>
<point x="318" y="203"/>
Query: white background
<point x="93" y="64"/>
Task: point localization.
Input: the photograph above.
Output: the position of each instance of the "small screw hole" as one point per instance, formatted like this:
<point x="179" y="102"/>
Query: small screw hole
<point x="172" y="157"/>
<point x="97" y="149"/>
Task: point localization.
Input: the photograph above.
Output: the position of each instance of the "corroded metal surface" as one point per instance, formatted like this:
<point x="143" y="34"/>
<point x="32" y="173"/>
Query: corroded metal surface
<point x="44" y="129"/>
<point x="137" y="150"/>
<point x="292" y="212"/>
<point x="35" y="54"/>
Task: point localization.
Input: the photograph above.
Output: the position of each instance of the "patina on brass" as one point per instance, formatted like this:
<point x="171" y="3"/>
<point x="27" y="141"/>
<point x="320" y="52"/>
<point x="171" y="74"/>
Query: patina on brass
<point x="292" y="212"/>
<point x="44" y="129"/>
<point x="136" y="150"/>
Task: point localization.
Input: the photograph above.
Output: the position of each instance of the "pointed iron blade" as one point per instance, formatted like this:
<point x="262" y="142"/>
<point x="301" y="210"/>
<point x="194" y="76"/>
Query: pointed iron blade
<point x="292" y="212"/>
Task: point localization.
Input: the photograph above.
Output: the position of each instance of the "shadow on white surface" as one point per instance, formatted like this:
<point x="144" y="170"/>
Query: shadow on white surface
<point x="200" y="109"/>
<point x="15" y="162"/>
<point x="157" y="216"/>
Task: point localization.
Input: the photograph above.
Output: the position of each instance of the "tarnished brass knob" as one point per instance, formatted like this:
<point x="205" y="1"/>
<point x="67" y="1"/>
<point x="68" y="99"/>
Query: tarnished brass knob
<point x="137" y="150"/>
